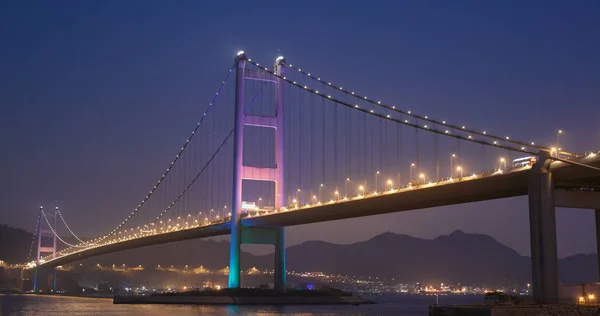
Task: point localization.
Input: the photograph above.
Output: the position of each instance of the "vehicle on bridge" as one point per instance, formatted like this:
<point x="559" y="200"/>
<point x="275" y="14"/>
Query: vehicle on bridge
<point x="524" y="162"/>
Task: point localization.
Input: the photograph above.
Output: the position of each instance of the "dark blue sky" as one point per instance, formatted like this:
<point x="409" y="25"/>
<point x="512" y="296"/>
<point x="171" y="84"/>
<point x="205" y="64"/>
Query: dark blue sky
<point x="96" y="97"/>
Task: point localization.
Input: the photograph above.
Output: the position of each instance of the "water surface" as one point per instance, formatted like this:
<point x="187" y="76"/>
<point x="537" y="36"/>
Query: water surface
<point x="388" y="305"/>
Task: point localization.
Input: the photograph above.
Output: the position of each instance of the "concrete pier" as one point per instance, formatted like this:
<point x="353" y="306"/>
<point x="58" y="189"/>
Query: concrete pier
<point x="542" y="223"/>
<point x="598" y="240"/>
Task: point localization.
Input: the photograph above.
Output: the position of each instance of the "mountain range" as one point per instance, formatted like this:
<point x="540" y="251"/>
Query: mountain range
<point x="455" y="258"/>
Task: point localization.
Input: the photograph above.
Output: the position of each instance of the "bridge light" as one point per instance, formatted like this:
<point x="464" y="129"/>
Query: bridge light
<point x="240" y="53"/>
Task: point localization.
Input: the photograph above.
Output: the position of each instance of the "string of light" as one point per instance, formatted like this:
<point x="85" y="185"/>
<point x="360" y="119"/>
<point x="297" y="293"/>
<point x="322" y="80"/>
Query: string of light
<point x="372" y="112"/>
<point x="67" y="226"/>
<point x="248" y="107"/>
<point x="424" y="118"/>
<point x="37" y="227"/>
<point x="210" y="106"/>
<point x="195" y="178"/>
<point x="55" y="234"/>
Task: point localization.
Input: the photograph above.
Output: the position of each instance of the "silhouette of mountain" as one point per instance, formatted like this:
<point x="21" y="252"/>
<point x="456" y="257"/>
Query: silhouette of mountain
<point x="14" y="244"/>
<point x="457" y="257"/>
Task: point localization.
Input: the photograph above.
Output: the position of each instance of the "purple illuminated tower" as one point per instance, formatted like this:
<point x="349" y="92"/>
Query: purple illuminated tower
<point x="257" y="235"/>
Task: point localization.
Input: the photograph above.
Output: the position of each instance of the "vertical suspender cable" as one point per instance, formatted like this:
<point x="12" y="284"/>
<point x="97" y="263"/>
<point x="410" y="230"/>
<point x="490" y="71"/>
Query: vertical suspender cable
<point x="417" y="150"/>
<point x="335" y="148"/>
<point x="399" y="152"/>
<point x="323" y="141"/>
<point x="311" y="148"/>
<point x="437" y="158"/>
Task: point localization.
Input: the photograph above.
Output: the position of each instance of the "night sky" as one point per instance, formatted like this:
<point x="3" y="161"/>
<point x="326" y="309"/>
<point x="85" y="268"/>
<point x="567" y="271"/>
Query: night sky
<point x="96" y="97"/>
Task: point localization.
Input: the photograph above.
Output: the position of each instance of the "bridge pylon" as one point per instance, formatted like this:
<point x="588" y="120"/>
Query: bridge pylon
<point x="45" y="232"/>
<point x="257" y="235"/>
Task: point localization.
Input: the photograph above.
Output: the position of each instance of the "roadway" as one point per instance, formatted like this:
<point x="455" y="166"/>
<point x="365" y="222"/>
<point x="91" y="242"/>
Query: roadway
<point x="449" y="192"/>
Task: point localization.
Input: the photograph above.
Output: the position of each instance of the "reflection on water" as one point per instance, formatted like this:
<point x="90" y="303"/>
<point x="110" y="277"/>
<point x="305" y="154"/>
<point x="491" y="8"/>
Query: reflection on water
<point x="397" y="305"/>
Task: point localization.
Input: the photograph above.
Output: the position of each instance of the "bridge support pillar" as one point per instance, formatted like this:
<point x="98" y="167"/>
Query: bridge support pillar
<point x="598" y="239"/>
<point x="263" y="235"/>
<point x="542" y="224"/>
<point x="280" y="266"/>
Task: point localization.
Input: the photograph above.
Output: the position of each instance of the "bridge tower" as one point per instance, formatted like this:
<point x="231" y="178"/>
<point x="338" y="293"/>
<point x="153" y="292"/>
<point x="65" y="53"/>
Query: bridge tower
<point x="542" y="231"/>
<point x="257" y="235"/>
<point x="45" y="233"/>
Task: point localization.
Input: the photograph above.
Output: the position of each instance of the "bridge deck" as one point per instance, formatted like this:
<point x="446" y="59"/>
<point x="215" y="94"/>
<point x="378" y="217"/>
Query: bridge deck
<point x="470" y="189"/>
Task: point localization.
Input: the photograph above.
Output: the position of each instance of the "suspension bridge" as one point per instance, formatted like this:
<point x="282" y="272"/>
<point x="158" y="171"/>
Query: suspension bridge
<point x="280" y="146"/>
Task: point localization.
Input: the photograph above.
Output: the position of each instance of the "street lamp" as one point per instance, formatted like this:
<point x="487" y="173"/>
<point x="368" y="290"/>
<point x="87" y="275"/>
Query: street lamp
<point x="320" y="189"/>
<point x="451" y="169"/>
<point x="294" y="201"/>
<point x="422" y="176"/>
<point x="299" y="198"/>
<point x="223" y="212"/>
<point x="347" y="180"/>
<point x="259" y="199"/>
<point x="412" y="165"/>
<point x="199" y="213"/>
<point x="390" y="183"/>
<point x="337" y="195"/>
<point x="360" y="189"/>
<point x="211" y="210"/>
<point x="459" y="169"/>
<point x="557" y="140"/>
<point x="376" y="176"/>
<point x="502" y="163"/>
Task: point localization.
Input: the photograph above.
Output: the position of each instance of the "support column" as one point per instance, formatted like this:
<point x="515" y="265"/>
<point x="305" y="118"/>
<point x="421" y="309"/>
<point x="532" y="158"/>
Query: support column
<point x="39" y="253"/>
<point x="280" y="264"/>
<point x="236" y="203"/>
<point x="542" y="223"/>
<point x="598" y="240"/>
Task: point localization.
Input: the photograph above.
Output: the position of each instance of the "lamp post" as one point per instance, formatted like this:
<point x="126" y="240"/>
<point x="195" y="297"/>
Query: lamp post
<point x="259" y="199"/>
<point x="502" y="163"/>
<point x="347" y="180"/>
<point x="337" y="195"/>
<point x="459" y="169"/>
<point x="451" y="160"/>
<point x="376" y="180"/>
<point x="412" y="165"/>
<point x="320" y="192"/>
<point x="390" y="183"/>
<point x="360" y="189"/>
<point x="422" y="176"/>
<point x="557" y="141"/>
<point x="211" y="211"/>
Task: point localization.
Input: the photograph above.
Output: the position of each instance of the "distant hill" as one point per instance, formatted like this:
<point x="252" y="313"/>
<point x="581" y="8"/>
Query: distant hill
<point x="14" y="244"/>
<point x="458" y="257"/>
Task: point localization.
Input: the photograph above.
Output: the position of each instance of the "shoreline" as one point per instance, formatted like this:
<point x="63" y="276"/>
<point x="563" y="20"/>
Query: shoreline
<point x="246" y="297"/>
